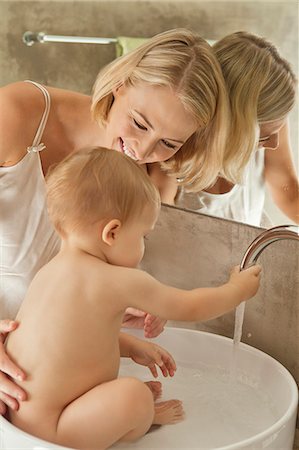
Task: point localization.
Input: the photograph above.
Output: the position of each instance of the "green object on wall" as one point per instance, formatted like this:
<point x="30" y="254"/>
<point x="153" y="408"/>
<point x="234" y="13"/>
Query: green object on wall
<point x="126" y="44"/>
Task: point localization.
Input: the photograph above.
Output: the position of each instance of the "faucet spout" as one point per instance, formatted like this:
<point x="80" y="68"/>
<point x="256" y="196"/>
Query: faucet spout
<point x="266" y="238"/>
<point x="250" y="258"/>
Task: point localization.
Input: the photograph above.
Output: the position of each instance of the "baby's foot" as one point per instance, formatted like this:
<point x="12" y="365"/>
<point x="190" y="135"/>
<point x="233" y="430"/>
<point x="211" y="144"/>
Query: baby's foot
<point x="155" y="387"/>
<point x="170" y="411"/>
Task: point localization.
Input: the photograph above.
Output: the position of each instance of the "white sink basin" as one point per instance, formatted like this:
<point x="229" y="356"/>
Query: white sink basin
<point x="251" y="406"/>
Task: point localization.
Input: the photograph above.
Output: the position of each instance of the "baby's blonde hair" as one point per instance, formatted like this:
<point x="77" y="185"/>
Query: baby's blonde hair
<point x="95" y="184"/>
<point x="186" y="63"/>
<point x="261" y="88"/>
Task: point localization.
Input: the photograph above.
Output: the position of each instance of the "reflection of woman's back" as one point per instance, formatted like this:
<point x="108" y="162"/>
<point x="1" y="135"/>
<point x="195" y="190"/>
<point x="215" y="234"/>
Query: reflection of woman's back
<point x="244" y="202"/>
<point x="28" y="239"/>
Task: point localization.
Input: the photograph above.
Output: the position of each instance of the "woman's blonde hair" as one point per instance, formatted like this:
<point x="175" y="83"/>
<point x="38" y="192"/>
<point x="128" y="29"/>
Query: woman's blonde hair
<point x="261" y="88"/>
<point x="96" y="184"/>
<point x="185" y="62"/>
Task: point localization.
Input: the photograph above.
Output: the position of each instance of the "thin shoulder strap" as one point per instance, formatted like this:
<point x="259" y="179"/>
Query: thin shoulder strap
<point x="37" y="145"/>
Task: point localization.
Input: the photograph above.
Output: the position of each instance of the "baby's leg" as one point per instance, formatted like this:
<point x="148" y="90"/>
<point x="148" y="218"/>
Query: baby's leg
<point x="121" y="409"/>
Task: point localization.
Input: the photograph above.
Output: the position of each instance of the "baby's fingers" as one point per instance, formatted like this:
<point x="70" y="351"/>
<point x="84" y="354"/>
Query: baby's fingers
<point x="154" y="371"/>
<point x="255" y="270"/>
<point x="169" y="363"/>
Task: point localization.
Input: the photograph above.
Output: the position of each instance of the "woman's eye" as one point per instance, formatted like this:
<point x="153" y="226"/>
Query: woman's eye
<point x="141" y="127"/>
<point x="168" y="145"/>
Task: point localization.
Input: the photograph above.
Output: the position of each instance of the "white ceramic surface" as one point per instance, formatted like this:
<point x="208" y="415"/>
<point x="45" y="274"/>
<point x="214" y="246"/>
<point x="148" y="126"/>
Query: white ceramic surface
<point x="195" y="351"/>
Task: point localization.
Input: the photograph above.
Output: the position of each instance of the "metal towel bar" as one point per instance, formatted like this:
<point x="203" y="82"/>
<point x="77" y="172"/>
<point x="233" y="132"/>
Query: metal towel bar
<point x="30" y="38"/>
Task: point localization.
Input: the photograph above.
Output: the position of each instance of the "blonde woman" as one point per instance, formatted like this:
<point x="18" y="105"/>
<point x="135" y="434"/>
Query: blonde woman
<point x="261" y="87"/>
<point x="164" y="104"/>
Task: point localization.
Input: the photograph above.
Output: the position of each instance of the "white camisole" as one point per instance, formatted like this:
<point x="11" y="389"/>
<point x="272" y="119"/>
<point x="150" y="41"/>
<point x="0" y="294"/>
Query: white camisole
<point x="27" y="237"/>
<point x="243" y="203"/>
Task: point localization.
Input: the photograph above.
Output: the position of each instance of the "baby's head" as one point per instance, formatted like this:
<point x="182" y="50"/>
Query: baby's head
<point x="105" y="197"/>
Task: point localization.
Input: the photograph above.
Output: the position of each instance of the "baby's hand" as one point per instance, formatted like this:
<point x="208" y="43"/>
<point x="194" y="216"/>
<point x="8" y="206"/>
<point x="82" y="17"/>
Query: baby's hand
<point x="153" y="326"/>
<point x="152" y="355"/>
<point x="247" y="281"/>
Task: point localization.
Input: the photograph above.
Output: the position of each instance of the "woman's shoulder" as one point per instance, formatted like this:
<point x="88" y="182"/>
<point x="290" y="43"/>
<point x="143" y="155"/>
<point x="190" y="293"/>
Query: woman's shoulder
<point x="21" y="108"/>
<point x="12" y="115"/>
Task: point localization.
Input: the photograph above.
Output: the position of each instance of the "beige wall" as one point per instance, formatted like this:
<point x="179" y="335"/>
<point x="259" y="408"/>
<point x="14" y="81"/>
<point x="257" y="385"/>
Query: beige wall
<point x="189" y="250"/>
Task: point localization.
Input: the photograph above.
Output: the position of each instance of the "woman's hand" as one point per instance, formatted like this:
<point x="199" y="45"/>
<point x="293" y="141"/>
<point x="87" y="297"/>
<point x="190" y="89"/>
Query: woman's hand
<point x="152" y="325"/>
<point x="152" y="355"/>
<point x="10" y="393"/>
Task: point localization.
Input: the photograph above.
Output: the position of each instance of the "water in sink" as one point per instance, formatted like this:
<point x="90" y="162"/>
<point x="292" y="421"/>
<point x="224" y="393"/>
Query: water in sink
<point x="221" y="407"/>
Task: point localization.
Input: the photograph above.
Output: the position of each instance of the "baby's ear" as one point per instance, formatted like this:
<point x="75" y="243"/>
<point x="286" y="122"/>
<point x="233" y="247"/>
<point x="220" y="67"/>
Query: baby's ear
<point x="111" y="231"/>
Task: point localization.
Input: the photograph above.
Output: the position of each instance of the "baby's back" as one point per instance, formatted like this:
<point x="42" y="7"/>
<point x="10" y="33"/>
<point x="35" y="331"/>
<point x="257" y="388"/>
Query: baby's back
<point x="67" y="339"/>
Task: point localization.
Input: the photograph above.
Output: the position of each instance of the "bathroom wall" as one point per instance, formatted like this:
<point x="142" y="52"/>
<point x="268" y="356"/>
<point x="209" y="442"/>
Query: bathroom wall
<point x="189" y="250"/>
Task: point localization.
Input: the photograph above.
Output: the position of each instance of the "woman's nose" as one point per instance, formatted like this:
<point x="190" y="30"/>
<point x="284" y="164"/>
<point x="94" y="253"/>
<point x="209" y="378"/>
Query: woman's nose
<point x="145" y="149"/>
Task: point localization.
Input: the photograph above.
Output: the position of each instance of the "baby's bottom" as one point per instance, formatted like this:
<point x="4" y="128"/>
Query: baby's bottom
<point x="122" y="409"/>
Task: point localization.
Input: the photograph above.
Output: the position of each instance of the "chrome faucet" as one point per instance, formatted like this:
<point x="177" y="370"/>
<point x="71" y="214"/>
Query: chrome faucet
<point x="251" y="256"/>
<point x="266" y="238"/>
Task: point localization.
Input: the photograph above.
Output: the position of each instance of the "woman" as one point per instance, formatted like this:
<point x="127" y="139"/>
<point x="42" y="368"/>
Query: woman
<point x="163" y="104"/>
<point x="261" y="87"/>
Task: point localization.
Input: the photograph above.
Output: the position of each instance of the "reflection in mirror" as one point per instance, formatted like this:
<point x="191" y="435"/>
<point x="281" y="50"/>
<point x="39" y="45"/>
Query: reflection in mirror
<point x="261" y="86"/>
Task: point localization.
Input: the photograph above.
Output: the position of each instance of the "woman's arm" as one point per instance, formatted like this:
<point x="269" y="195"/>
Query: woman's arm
<point x="10" y="393"/>
<point x="281" y="178"/>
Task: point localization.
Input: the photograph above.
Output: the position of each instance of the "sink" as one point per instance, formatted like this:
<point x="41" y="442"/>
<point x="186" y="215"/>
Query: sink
<point x="241" y="399"/>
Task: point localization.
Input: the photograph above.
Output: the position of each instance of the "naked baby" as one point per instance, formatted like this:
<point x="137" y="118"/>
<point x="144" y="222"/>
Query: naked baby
<point x="103" y="205"/>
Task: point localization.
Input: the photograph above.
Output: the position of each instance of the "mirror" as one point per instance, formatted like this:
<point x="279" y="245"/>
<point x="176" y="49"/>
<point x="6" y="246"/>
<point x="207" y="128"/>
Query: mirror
<point x="277" y="21"/>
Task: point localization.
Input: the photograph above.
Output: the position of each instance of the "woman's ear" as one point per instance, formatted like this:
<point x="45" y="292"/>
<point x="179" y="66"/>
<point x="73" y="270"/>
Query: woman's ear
<point x="118" y="90"/>
<point x="111" y="231"/>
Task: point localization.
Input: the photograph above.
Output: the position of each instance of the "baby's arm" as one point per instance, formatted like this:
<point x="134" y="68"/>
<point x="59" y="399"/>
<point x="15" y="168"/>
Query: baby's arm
<point x="146" y="293"/>
<point x="147" y="354"/>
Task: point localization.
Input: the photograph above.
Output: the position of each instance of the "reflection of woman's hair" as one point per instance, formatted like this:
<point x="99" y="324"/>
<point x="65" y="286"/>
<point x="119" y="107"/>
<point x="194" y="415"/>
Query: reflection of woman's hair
<point x="185" y="62"/>
<point x="97" y="184"/>
<point x="261" y="88"/>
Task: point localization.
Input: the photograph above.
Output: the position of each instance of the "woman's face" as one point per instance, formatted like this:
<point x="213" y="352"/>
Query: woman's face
<point x="148" y="123"/>
<point x="269" y="134"/>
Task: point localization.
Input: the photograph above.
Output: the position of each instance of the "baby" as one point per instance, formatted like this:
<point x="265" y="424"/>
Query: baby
<point x="103" y="205"/>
